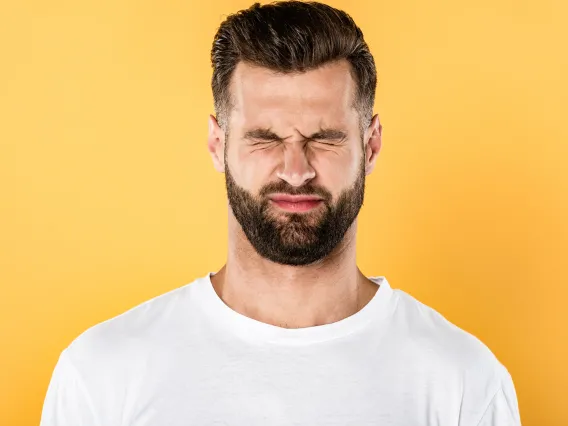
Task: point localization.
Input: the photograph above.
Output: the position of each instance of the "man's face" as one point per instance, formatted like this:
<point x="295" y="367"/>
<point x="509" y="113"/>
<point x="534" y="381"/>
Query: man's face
<point x="294" y="135"/>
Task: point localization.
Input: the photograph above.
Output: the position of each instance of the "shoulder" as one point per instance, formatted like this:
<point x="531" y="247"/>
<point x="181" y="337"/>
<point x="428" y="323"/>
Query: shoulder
<point x="442" y="343"/>
<point x="123" y="338"/>
<point x="437" y="349"/>
<point x="107" y="363"/>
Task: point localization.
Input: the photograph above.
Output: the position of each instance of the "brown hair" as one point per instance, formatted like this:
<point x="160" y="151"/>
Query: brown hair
<point x="291" y="36"/>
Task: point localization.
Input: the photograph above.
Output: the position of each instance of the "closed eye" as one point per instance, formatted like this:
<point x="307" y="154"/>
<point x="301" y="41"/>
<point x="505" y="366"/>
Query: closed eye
<point x="264" y="142"/>
<point x="331" y="142"/>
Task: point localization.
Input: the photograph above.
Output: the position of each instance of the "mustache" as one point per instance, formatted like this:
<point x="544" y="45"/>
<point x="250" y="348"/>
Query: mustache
<point x="284" y="188"/>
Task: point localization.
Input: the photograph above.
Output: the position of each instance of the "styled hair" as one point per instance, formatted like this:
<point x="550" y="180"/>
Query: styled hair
<point x="291" y="37"/>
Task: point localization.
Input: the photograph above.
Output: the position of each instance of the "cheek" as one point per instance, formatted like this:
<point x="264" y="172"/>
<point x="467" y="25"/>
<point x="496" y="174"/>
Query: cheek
<point x="336" y="171"/>
<point x="252" y="170"/>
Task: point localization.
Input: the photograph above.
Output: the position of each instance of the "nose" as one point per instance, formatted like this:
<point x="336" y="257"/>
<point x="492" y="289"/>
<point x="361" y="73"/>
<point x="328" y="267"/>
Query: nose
<point x="297" y="169"/>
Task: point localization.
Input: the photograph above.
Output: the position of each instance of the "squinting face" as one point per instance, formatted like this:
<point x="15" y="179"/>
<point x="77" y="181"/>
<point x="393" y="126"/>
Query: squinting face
<point x="292" y="135"/>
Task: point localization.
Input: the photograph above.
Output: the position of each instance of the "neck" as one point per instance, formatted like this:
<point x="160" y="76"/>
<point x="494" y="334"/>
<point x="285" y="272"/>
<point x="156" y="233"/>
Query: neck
<point x="292" y="296"/>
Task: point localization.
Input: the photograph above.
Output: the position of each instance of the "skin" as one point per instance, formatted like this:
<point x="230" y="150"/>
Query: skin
<point x="293" y="106"/>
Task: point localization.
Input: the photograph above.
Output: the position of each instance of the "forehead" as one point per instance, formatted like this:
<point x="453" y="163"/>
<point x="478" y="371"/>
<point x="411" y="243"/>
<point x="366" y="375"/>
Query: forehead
<point x="322" y="96"/>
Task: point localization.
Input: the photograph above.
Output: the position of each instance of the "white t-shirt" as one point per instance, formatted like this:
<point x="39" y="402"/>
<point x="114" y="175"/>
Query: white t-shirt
<point x="185" y="358"/>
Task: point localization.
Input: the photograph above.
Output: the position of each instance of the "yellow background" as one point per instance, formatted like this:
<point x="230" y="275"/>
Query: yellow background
<point x="109" y="196"/>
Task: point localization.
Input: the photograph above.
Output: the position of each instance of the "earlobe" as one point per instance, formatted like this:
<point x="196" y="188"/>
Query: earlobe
<point x="215" y="144"/>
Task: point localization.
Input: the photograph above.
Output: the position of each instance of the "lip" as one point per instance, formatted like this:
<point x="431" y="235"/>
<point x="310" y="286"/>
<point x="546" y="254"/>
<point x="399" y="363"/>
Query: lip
<point x="296" y="203"/>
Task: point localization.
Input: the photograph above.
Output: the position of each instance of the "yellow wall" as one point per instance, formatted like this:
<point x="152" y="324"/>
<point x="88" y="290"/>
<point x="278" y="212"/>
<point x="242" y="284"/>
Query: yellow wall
<point x="109" y="196"/>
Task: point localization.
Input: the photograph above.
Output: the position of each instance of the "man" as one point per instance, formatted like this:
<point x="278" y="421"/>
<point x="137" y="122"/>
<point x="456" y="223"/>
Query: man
<point x="289" y="331"/>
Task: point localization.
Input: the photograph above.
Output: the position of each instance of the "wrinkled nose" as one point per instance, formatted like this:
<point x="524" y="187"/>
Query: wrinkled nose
<point x="296" y="168"/>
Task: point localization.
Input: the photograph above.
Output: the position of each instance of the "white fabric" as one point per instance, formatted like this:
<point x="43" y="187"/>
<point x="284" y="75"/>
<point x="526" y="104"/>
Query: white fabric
<point x="185" y="358"/>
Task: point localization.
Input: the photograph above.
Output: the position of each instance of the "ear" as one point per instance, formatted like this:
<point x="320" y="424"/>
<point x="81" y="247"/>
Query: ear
<point x="372" y="144"/>
<point x="216" y="144"/>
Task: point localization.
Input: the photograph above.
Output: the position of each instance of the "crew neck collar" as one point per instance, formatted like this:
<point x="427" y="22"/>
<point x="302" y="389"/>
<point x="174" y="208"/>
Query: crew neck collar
<point x="257" y="331"/>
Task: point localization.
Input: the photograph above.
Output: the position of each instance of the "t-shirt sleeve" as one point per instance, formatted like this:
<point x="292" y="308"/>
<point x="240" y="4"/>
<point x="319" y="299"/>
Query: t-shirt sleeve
<point x="503" y="410"/>
<point x="67" y="402"/>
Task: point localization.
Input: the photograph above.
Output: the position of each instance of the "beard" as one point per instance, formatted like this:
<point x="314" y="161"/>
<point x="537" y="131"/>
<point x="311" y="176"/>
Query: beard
<point x="295" y="238"/>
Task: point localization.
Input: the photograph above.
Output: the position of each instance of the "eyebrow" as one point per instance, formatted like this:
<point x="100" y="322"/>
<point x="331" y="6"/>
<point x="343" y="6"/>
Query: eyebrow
<point x="322" y="134"/>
